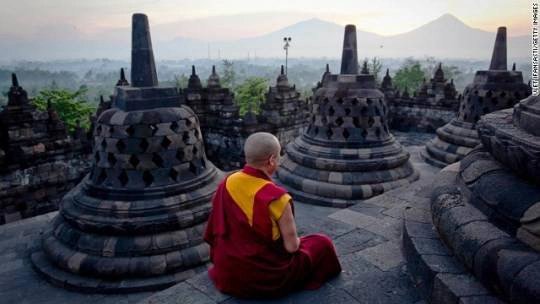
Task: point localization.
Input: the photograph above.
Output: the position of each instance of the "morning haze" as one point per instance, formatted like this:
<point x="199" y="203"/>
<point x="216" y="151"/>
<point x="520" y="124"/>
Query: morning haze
<point x="200" y="29"/>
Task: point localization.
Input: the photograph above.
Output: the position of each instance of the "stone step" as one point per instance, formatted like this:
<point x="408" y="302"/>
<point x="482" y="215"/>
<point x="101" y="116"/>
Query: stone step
<point x="438" y="275"/>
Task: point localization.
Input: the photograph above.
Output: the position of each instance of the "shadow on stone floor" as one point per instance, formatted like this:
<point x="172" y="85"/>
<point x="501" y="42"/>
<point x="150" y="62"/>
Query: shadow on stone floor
<point x="366" y="237"/>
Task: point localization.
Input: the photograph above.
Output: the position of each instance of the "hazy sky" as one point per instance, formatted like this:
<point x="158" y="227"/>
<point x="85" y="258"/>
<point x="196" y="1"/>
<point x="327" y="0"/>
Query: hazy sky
<point x="386" y="17"/>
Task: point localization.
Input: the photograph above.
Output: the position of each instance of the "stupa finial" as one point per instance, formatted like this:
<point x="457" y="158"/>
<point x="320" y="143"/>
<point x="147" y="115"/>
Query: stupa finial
<point x="349" y="57"/>
<point x="498" y="59"/>
<point x="14" y="80"/>
<point x="143" y="67"/>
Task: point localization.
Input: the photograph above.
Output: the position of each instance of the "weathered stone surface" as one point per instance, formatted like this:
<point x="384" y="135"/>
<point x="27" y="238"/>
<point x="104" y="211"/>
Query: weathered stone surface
<point x="346" y="153"/>
<point x="360" y="282"/>
<point x="39" y="161"/>
<point x="507" y="200"/>
<point x="284" y="110"/>
<point x="225" y="130"/>
<point x="426" y="258"/>
<point x="135" y="222"/>
<point x="491" y="90"/>
<point x="420" y="230"/>
<point x="390" y="286"/>
<point x="480" y="300"/>
<point x="433" y="106"/>
<point x="220" y="120"/>
<point x="526" y="284"/>
<point x="357" y="240"/>
<point x="477" y="215"/>
<point x="526" y="115"/>
<point x="498" y="59"/>
<point x="513" y="139"/>
<point x="349" y="61"/>
<point x="460" y="240"/>
<point x="385" y="256"/>
<point x="143" y="67"/>
<point x="449" y="288"/>
<point x="190" y="296"/>
<point x="511" y="260"/>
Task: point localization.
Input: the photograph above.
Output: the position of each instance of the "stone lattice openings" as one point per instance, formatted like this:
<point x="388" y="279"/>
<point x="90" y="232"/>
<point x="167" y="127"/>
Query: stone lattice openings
<point x="491" y="90"/>
<point x="136" y="221"/>
<point x="347" y="153"/>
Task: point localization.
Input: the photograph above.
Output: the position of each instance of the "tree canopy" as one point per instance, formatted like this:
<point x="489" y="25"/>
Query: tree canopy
<point x="250" y="94"/>
<point x="410" y="76"/>
<point x="375" y="66"/>
<point x="71" y="106"/>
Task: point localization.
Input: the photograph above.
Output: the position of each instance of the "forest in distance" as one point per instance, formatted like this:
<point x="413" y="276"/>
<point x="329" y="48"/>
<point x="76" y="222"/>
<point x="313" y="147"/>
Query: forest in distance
<point x="86" y="80"/>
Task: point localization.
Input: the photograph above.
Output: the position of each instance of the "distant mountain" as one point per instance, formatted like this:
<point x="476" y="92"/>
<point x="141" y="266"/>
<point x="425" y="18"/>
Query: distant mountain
<point x="445" y="37"/>
<point x="227" y="27"/>
<point x="310" y="38"/>
<point x="448" y="36"/>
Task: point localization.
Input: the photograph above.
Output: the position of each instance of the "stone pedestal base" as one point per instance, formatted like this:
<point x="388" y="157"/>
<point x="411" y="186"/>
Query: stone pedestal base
<point x="452" y="143"/>
<point x="342" y="177"/>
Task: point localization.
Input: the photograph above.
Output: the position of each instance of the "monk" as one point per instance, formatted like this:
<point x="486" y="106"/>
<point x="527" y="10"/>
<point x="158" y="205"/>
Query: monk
<point x="252" y="235"/>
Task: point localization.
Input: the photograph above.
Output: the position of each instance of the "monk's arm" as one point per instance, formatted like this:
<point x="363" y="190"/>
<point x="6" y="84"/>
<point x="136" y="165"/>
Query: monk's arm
<point x="287" y="228"/>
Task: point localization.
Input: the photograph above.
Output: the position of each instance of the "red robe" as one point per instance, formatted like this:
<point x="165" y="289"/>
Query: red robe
<point x="248" y="263"/>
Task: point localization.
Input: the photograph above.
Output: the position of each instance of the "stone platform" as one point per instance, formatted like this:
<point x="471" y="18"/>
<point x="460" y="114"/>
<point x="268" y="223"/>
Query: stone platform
<point x="367" y="237"/>
<point x="435" y="271"/>
<point x="485" y="208"/>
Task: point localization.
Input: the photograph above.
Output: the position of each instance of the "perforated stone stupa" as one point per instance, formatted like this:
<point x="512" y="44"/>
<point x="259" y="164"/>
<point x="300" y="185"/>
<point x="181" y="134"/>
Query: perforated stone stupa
<point x="283" y="110"/>
<point x="347" y="153"/>
<point x="432" y="106"/>
<point x="486" y="207"/>
<point x="221" y="122"/>
<point x="136" y="221"/>
<point x="491" y="90"/>
<point x="105" y="105"/>
<point x="39" y="161"/>
<point x="282" y="113"/>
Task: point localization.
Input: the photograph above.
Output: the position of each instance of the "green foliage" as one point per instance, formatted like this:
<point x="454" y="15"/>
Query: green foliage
<point x="71" y="106"/>
<point x="409" y="76"/>
<point x="229" y="75"/>
<point x="450" y="72"/>
<point x="306" y="93"/>
<point x="430" y="65"/>
<point x="181" y="81"/>
<point x="3" y="98"/>
<point x="375" y="66"/>
<point x="250" y="94"/>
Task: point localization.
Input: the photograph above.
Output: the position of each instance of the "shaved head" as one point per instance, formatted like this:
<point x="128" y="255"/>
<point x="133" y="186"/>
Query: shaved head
<point x="259" y="147"/>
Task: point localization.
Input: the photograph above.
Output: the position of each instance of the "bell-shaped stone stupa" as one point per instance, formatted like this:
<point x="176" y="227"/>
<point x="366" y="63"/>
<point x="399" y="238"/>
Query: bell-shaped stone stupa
<point x="136" y="221"/>
<point x="491" y="90"/>
<point x="347" y="153"/>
